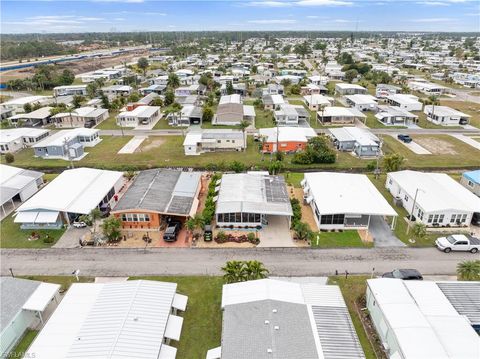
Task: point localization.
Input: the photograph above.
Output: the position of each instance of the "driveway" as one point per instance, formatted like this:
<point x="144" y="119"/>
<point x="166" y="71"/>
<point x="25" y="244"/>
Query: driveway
<point x="71" y="237"/>
<point x="276" y="233"/>
<point x="413" y="146"/>
<point x="382" y="234"/>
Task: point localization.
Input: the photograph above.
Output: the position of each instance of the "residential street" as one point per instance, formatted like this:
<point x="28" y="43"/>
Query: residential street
<point x="280" y="261"/>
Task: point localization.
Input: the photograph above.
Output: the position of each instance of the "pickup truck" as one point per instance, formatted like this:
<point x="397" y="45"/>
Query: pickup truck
<point x="458" y="242"/>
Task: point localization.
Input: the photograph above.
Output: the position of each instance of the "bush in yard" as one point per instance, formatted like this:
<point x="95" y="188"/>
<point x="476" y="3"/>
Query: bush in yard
<point x="251" y="237"/>
<point x="47" y="239"/>
<point x="393" y="162"/>
<point x="303" y="231"/>
<point x="237" y="167"/>
<point x="419" y="231"/>
<point x="371" y="166"/>
<point x="469" y="270"/>
<point x="297" y="211"/>
<point x="240" y="271"/>
<point x="9" y="157"/>
<point x="111" y="228"/>
<point x="318" y="150"/>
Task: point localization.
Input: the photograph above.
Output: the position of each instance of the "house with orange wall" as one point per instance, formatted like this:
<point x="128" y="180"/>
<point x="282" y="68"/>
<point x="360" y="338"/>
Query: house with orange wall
<point x="285" y="139"/>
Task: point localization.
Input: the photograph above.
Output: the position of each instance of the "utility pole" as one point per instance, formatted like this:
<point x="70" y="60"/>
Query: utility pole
<point x="413" y="209"/>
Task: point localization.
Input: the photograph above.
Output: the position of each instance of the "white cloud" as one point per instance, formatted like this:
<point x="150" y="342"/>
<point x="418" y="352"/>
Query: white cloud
<point x="269" y="3"/>
<point x="344" y="21"/>
<point x="433" y="19"/>
<point x="272" y="21"/>
<point x="432" y="3"/>
<point x="323" y="3"/>
<point x="312" y="17"/>
<point x="125" y="1"/>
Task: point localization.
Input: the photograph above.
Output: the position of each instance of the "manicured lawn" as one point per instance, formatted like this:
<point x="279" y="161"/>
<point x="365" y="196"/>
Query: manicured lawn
<point x="162" y="124"/>
<point x="353" y="290"/>
<point x="372" y="122"/>
<point x="424" y="123"/>
<point x="294" y="178"/>
<point x="470" y="108"/>
<point x="338" y="239"/>
<point x="23" y="345"/>
<point x="110" y="123"/>
<point x="264" y="118"/>
<point x="466" y="156"/>
<point x="11" y="236"/>
<point x="202" y="325"/>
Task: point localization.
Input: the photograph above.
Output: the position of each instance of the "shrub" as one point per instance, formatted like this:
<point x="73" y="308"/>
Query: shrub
<point x="9" y="158"/>
<point x="251" y="237"/>
<point x="236" y="167"/>
<point x="47" y="239"/>
<point x="297" y="211"/>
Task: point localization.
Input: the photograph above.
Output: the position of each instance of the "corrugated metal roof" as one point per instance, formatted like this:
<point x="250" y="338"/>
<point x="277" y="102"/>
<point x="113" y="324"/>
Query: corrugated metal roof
<point x="465" y="298"/>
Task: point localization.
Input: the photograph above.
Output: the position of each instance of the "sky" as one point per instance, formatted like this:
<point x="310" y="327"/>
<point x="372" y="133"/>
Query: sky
<point x="18" y="16"/>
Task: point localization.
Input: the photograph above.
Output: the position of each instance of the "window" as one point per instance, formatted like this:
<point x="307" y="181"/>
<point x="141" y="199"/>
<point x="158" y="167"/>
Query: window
<point x="453" y="218"/>
<point x="332" y="219"/>
<point x="420" y="214"/>
<point x="464" y="218"/>
<point x="470" y="183"/>
<point x="442" y="216"/>
<point x="406" y="198"/>
<point x="435" y="218"/>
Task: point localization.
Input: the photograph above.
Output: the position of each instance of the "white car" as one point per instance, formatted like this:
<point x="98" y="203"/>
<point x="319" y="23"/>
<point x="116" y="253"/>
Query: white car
<point x="458" y="242"/>
<point x="79" y="224"/>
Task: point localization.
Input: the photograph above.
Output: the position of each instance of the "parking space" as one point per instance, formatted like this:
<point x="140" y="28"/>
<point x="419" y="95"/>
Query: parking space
<point x="132" y="145"/>
<point x="468" y="140"/>
<point x="137" y="239"/>
<point x="382" y="234"/>
<point x="413" y="146"/>
<point x="276" y="233"/>
<point x="71" y="238"/>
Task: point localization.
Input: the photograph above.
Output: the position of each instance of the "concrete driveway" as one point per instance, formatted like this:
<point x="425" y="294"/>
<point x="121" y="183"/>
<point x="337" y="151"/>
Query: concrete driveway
<point x="71" y="237"/>
<point x="276" y="233"/>
<point x="382" y="234"/>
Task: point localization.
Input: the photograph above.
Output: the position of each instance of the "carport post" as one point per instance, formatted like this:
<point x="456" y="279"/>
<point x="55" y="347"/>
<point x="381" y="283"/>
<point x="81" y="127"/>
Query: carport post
<point x="394" y="222"/>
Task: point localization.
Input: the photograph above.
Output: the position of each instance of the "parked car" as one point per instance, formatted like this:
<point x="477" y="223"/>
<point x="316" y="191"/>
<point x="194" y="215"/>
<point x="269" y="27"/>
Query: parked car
<point x="476" y="219"/>
<point x="171" y="232"/>
<point x="207" y="233"/>
<point x="404" y="138"/>
<point x="79" y="224"/>
<point x="405" y="274"/>
<point x="458" y="242"/>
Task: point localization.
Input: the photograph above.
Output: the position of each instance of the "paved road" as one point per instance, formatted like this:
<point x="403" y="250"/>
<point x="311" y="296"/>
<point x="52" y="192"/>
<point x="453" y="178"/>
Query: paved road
<point x="180" y="261"/>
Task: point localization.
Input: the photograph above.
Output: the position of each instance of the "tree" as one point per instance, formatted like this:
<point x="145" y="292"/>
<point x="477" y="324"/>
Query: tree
<point x="111" y="228"/>
<point x="229" y="88"/>
<point x="237" y="167"/>
<point x="105" y="101"/>
<point x="286" y="82"/>
<point x="173" y="80"/>
<point x="190" y="225"/>
<point x="157" y="102"/>
<point x="255" y="270"/>
<point x="275" y="167"/>
<point x="419" y="231"/>
<point x="95" y="214"/>
<point x="243" y="126"/>
<point x="27" y="107"/>
<point x="469" y="270"/>
<point x="234" y="271"/>
<point x="207" y="115"/>
<point x="345" y="58"/>
<point x="134" y="97"/>
<point x="66" y="78"/>
<point x="142" y="64"/>
<point x="169" y="97"/>
<point x="392" y="162"/>
<point x="77" y="101"/>
<point x="351" y="75"/>
<point x="302" y="231"/>
<point x="9" y="157"/>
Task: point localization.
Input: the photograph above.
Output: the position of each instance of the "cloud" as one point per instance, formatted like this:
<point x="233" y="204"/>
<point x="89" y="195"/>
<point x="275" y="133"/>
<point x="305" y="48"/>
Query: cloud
<point x="124" y="1"/>
<point x="432" y="3"/>
<point x="432" y="19"/>
<point x="312" y="17"/>
<point x="269" y="4"/>
<point x="323" y="3"/>
<point x="344" y="21"/>
<point x="272" y="21"/>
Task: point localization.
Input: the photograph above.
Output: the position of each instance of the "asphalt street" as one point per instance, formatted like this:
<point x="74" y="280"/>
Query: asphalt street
<point x="193" y="261"/>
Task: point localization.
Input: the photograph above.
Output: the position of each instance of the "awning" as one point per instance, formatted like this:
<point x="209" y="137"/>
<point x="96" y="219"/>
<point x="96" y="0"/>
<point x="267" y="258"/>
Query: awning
<point x="174" y="327"/>
<point x="41" y="297"/>
<point x="180" y="302"/>
<point x="309" y="199"/>
<point x="167" y="352"/>
<point x="215" y="353"/>
<point x="47" y="217"/>
<point x="26" y="217"/>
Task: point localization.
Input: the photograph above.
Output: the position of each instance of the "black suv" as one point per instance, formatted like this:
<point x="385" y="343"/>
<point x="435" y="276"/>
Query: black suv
<point x="405" y="274"/>
<point x="404" y="138"/>
<point x="171" y="232"/>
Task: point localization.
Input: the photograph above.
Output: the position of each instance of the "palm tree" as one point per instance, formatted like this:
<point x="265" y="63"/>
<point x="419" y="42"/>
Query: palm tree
<point x="190" y="225"/>
<point x="95" y="214"/>
<point x="255" y="270"/>
<point x="234" y="272"/>
<point x="243" y="126"/>
<point x="302" y="231"/>
<point x="173" y="81"/>
<point x="469" y="270"/>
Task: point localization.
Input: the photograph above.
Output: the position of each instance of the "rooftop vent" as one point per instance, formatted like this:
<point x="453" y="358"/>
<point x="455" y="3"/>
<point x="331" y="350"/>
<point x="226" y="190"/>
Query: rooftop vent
<point x="274" y="311"/>
<point x="269" y="351"/>
<point x="276" y="327"/>
<point x="267" y="322"/>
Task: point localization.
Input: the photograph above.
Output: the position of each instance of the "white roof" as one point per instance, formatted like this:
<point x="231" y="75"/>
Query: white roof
<point x="334" y="111"/>
<point x="360" y="135"/>
<point x="423" y="320"/>
<point x="235" y="98"/>
<point x="317" y="99"/>
<point x="438" y="191"/>
<point x="286" y="134"/>
<point x="58" y="138"/>
<point x="362" y="99"/>
<point x="277" y="99"/>
<point x="403" y="98"/>
<point x="346" y="193"/>
<point x="173" y="330"/>
<point x="248" y="110"/>
<point x="444" y="111"/>
<point x="42" y="297"/>
<point x="76" y="191"/>
<point x="140" y="111"/>
<point x="12" y="134"/>
<point x="36" y="217"/>
<point x="82" y="112"/>
<point x="108" y="320"/>
<point x="19" y="101"/>
<point x="345" y="86"/>
<point x="180" y="302"/>
<point x="39" y="114"/>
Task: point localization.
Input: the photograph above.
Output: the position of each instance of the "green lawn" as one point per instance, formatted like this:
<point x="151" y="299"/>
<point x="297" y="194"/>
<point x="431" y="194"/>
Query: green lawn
<point x="294" y="178"/>
<point x="470" y="108"/>
<point x="11" y="236"/>
<point x="110" y="123"/>
<point x="424" y="123"/>
<point x="263" y="118"/>
<point x="466" y="155"/>
<point x="338" y="239"/>
<point x="353" y="290"/>
<point x="19" y="351"/>
<point x="372" y="122"/>
<point x="162" y="124"/>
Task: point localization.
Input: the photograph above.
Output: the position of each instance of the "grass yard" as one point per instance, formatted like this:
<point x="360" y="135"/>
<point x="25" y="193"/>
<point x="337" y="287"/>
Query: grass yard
<point x="202" y="325"/>
<point x="470" y="108"/>
<point x="372" y="122"/>
<point x="338" y="240"/>
<point x="264" y="118"/>
<point x="353" y="290"/>
<point x="465" y="155"/>
<point x="110" y="123"/>
<point x="294" y="178"/>
<point x="22" y="346"/>
<point x="162" y="124"/>
<point x="11" y="236"/>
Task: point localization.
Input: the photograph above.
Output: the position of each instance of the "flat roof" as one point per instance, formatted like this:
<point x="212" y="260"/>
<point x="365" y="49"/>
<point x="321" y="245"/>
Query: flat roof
<point x="437" y="191"/>
<point x="335" y="111"/>
<point x="235" y="98"/>
<point x="346" y="193"/>
<point x="19" y="101"/>
<point x="42" y="297"/>
<point x="404" y="98"/>
<point x="286" y="134"/>
<point x="473" y="176"/>
<point x="444" y="111"/>
<point x="77" y="190"/>
<point x="253" y="193"/>
<point x="13" y="180"/>
<point x="360" y="99"/>
<point x="317" y="99"/>
<point x="393" y="111"/>
<point x="107" y="320"/>
<point x="58" y="138"/>
<point x="163" y="191"/>
<point x="140" y="111"/>
<point x="464" y="298"/>
<point x="360" y="135"/>
<point x="39" y="114"/>
<point x="344" y="86"/>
